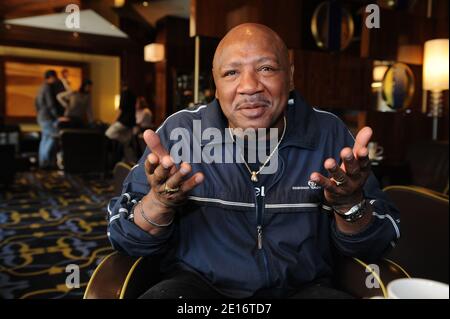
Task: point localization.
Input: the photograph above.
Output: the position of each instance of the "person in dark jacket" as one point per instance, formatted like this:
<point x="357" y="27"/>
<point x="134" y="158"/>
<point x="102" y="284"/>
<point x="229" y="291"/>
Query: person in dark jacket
<point x="48" y="111"/>
<point x="122" y="129"/>
<point x="245" y="226"/>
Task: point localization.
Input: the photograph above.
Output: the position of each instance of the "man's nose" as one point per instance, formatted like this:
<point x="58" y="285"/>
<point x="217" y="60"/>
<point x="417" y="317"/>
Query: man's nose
<point x="249" y="83"/>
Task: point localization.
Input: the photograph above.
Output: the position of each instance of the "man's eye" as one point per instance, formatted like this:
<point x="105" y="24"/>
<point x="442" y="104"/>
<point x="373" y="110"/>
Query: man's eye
<point x="267" y="69"/>
<point x="230" y="73"/>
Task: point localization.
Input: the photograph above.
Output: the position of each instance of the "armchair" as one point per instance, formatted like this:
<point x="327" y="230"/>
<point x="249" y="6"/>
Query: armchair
<point x="123" y="277"/>
<point x="120" y="276"/>
<point x="423" y="248"/>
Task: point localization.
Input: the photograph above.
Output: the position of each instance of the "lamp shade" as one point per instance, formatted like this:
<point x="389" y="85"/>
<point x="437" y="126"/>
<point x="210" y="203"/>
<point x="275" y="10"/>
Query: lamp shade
<point x="119" y="3"/>
<point x="435" y="65"/>
<point x="154" y="52"/>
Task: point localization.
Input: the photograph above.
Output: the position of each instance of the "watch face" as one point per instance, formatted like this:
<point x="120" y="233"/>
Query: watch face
<point x="356" y="216"/>
<point x="354" y="213"/>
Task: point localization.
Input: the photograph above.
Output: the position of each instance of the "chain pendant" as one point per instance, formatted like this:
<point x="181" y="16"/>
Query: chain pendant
<point x="254" y="178"/>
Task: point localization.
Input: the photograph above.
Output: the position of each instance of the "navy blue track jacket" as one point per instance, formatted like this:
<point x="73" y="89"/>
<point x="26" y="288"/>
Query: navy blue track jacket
<point x="215" y="233"/>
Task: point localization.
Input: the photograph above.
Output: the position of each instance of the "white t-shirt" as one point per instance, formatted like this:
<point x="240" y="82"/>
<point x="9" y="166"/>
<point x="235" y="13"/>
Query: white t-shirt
<point x="144" y="118"/>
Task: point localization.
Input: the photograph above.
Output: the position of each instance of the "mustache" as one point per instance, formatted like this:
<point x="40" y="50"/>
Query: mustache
<point x="256" y="99"/>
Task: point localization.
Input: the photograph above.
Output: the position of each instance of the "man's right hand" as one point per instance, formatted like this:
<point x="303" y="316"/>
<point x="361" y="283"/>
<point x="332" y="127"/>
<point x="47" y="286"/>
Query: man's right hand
<point x="163" y="175"/>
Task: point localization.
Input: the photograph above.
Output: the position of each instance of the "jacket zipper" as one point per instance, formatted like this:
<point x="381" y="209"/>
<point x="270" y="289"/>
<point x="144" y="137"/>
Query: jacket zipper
<point x="259" y="231"/>
<point x="260" y="203"/>
<point x="259" y="234"/>
<point x="259" y="208"/>
<point x="259" y="218"/>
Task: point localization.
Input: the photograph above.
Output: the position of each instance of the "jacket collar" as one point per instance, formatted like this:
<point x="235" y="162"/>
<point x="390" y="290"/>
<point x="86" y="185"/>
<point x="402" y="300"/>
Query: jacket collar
<point x="302" y="126"/>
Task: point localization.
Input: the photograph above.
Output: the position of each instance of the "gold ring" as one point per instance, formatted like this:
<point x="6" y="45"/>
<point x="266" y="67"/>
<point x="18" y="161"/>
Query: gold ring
<point x="168" y="190"/>
<point x="339" y="183"/>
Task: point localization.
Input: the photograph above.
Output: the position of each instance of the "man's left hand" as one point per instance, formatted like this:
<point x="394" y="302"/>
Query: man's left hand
<point x="344" y="187"/>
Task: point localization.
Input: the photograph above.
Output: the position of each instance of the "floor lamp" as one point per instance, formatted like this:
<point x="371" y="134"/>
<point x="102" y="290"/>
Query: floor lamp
<point x="435" y="76"/>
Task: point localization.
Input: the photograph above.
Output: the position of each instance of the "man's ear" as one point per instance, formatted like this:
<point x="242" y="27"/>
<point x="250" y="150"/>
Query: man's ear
<point x="291" y="78"/>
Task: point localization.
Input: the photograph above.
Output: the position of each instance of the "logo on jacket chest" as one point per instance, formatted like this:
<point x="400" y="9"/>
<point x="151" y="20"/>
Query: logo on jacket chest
<point x="311" y="185"/>
<point x="260" y="191"/>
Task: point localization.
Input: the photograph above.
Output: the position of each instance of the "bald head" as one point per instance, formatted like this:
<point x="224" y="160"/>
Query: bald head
<point x="253" y="76"/>
<point x="249" y="33"/>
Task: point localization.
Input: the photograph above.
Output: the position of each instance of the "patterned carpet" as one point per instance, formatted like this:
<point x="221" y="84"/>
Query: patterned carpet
<point x="47" y="222"/>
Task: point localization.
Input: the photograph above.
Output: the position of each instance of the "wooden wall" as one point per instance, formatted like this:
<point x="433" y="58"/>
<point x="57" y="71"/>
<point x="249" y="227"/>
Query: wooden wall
<point x="173" y="32"/>
<point x="338" y="81"/>
<point x="215" y="18"/>
<point x="341" y="81"/>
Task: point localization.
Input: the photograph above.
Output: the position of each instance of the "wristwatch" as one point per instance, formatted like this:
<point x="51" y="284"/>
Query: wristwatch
<point x="353" y="214"/>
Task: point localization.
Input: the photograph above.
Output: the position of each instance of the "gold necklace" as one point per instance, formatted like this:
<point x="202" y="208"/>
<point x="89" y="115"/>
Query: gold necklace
<point x="254" y="174"/>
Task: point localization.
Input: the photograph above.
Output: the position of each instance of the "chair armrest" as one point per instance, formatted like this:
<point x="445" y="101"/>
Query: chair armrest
<point x="119" y="276"/>
<point x="363" y="280"/>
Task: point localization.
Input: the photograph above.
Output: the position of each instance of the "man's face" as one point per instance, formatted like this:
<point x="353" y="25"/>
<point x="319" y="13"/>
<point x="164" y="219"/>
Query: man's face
<point x="252" y="82"/>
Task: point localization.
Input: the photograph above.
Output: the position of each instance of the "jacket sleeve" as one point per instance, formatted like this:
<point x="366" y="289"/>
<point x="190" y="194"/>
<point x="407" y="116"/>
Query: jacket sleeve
<point x="384" y="230"/>
<point x="123" y="233"/>
<point x="49" y="102"/>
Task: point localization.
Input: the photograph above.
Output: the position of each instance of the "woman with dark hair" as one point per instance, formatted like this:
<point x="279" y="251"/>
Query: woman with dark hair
<point x="144" y="116"/>
<point x="77" y="104"/>
<point x="122" y="128"/>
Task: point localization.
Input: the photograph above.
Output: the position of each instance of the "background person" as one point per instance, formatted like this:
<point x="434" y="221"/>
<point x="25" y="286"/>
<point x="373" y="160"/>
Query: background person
<point x="144" y="116"/>
<point x="48" y="111"/>
<point x="121" y="129"/>
<point x="78" y="106"/>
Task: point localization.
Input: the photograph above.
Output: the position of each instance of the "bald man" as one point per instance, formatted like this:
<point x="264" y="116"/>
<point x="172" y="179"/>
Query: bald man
<point x="255" y="226"/>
